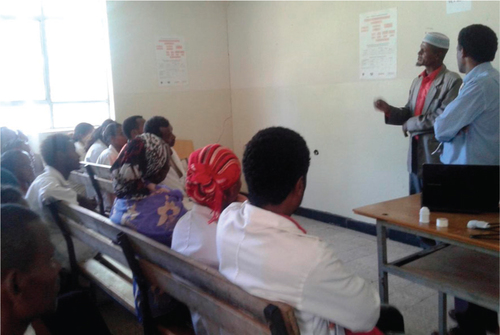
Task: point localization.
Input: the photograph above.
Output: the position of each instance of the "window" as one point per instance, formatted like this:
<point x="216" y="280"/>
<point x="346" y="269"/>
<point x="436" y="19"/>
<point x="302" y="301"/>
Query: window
<point x="54" y="64"/>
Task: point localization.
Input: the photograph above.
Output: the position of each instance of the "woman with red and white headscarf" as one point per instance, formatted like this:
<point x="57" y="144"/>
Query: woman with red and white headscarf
<point x="213" y="182"/>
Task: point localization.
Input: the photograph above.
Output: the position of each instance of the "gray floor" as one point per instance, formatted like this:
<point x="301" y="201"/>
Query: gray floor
<point x="358" y="251"/>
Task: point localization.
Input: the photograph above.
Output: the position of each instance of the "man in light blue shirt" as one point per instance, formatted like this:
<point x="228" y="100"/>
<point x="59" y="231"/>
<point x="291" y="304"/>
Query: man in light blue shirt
<point x="469" y="126"/>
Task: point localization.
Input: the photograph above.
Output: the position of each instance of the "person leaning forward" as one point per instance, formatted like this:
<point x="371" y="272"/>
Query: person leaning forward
<point x="430" y="93"/>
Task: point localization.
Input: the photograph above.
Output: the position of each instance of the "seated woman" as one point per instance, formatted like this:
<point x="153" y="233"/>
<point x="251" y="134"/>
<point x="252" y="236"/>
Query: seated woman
<point x="81" y="136"/>
<point x="213" y="182"/>
<point x="141" y="204"/>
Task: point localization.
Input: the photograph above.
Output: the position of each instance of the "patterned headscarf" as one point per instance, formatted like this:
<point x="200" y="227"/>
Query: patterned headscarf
<point x="211" y="170"/>
<point x="140" y="159"/>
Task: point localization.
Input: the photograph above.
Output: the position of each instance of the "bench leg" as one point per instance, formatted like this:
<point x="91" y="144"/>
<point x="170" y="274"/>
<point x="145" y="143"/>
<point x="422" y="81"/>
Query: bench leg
<point x="442" y="313"/>
<point x="383" y="283"/>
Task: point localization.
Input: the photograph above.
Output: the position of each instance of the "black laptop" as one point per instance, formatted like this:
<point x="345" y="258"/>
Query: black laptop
<point x="461" y="188"/>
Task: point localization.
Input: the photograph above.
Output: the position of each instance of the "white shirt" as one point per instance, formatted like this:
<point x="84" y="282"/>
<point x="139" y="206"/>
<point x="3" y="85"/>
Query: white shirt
<point x="49" y="187"/>
<point x="194" y="237"/>
<point x="94" y="151"/>
<point x="108" y="156"/>
<point x="173" y="180"/>
<point x="80" y="150"/>
<point x="269" y="256"/>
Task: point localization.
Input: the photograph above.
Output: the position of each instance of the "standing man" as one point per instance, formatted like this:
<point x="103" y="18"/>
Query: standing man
<point x="469" y="130"/>
<point x="469" y="126"/>
<point x="430" y="93"/>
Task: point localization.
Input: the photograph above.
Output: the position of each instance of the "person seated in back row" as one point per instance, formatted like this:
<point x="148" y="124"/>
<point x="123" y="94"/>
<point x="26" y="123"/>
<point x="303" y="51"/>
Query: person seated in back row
<point x="60" y="156"/>
<point x="96" y="145"/>
<point x="113" y="135"/>
<point x="268" y="254"/>
<point x="133" y="126"/>
<point x="81" y="136"/>
<point x="176" y="177"/>
<point x="19" y="163"/>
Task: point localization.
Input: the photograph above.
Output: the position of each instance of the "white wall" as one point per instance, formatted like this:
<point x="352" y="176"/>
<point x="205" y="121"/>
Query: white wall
<point x="197" y="111"/>
<point x="295" y="64"/>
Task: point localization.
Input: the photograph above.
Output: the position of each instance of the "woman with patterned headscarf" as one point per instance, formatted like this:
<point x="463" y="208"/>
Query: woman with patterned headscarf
<point x="142" y="204"/>
<point x="213" y="182"/>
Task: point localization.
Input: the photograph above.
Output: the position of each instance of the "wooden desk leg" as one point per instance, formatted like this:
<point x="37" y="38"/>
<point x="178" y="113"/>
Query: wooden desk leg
<point x="383" y="283"/>
<point x="442" y="314"/>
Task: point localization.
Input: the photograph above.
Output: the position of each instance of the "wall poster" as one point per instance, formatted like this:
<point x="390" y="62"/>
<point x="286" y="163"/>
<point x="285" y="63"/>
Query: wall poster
<point x="378" y="44"/>
<point x="171" y="62"/>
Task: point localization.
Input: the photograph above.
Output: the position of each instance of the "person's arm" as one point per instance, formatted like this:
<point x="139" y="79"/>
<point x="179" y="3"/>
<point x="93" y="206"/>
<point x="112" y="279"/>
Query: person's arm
<point x="333" y="293"/>
<point x="394" y="115"/>
<point x="51" y="190"/>
<point x="425" y="122"/>
<point x="460" y="113"/>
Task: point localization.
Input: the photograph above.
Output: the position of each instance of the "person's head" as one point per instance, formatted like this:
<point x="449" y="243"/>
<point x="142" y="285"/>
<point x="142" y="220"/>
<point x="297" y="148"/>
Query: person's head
<point x="113" y="135"/>
<point x="6" y="137"/>
<point x="12" y="195"/>
<point x="433" y="49"/>
<point x="82" y="132"/>
<point x="133" y="126"/>
<point x="58" y="151"/>
<point x="160" y="126"/>
<point x="20" y="164"/>
<point x="97" y="135"/>
<point x="29" y="271"/>
<point x="143" y="160"/>
<point x="213" y="178"/>
<point x="476" y="44"/>
<point x="275" y="164"/>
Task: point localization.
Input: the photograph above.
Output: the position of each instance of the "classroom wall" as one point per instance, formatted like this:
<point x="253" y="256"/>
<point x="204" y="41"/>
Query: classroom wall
<point x="296" y="64"/>
<point x="201" y="110"/>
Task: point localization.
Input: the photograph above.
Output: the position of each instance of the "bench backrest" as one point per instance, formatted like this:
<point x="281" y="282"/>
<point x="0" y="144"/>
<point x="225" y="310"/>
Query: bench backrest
<point x="184" y="148"/>
<point x="195" y="284"/>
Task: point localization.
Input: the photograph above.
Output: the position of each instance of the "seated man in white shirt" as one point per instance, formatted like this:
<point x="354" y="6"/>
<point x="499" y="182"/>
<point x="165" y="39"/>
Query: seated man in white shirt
<point x="60" y="158"/>
<point x="133" y="126"/>
<point x="268" y="254"/>
<point x="176" y="177"/>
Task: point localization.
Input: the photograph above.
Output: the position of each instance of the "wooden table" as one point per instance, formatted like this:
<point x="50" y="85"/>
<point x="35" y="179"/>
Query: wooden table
<point x="464" y="267"/>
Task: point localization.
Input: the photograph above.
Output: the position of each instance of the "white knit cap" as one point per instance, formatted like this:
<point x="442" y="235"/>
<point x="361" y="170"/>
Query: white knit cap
<point x="438" y="40"/>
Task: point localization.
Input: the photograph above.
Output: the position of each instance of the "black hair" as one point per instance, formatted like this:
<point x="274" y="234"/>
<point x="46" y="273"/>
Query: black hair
<point x="110" y="131"/>
<point x="479" y="42"/>
<point x="273" y="162"/>
<point x="52" y="145"/>
<point x="10" y="159"/>
<point x="12" y="195"/>
<point x="19" y="229"/>
<point x="130" y="124"/>
<point x="81" y="130"/>
<point x="154" y="124"/>
<point x="97" y="134"/>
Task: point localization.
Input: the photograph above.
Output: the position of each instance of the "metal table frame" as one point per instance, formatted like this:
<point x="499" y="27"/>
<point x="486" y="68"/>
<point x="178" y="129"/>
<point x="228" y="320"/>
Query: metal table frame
<point x="443" y="288"/>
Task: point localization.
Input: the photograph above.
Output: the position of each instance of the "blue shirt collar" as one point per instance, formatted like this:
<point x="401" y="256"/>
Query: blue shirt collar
<point x="483" y="67"/>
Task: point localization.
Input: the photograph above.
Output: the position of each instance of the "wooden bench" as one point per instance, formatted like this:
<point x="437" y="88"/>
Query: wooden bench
<point x="184" y="148"/>
<point x="201" y="288"/>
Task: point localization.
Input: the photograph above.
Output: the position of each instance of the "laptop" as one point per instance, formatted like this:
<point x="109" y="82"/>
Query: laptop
<point x="461" y="188"/>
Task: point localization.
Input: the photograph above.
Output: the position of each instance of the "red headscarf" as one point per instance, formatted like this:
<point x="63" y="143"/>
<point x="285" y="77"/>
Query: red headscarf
<point x="211" y="170"/>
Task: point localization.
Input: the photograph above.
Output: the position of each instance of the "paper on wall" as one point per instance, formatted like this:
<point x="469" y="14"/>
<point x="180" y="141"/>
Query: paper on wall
<point x="378" y="44"/>
<point x="455" y="6"/>
<point x="171" y="61"/>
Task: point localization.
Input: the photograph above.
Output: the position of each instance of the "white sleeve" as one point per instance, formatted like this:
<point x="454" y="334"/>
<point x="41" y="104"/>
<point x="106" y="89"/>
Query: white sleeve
<point x="333" y="293"/>
<point x="51" y="190"/>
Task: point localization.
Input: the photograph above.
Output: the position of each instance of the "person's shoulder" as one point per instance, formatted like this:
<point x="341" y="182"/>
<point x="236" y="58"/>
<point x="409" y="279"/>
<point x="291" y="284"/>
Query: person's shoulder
<point x="450" y="75"/>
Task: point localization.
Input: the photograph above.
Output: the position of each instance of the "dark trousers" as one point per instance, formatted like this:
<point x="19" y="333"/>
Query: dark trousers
<point x="415" y="184"/>
<point x="76" y="315"/>
<point x="390" y="320"/>
<point x="474" y="319"/>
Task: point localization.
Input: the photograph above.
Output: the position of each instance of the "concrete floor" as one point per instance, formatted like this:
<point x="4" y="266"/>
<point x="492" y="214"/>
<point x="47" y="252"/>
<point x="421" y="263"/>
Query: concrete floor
<point x="358" y="251"/>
